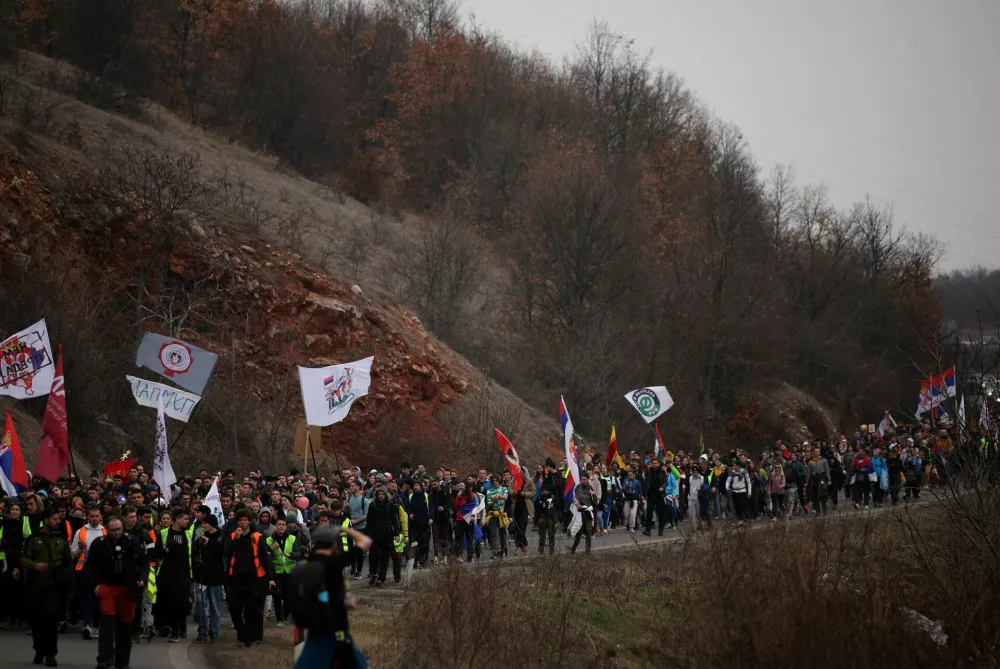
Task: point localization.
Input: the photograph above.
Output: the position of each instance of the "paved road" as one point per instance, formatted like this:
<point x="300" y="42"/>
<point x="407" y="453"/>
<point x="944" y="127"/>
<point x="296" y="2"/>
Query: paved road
<point x="75" y="653"/>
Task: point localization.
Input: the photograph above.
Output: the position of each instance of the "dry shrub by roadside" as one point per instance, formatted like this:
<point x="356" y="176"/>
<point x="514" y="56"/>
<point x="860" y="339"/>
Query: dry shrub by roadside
<point x="817" y="594"/>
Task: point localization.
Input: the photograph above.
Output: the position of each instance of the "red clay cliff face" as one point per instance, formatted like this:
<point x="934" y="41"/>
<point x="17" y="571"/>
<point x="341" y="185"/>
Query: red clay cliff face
<point x="276" y="311"/>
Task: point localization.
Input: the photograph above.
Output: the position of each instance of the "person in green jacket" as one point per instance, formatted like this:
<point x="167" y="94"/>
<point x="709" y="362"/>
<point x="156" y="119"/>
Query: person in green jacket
<point x="286" y="551"/>
<point x="46" y="558"/>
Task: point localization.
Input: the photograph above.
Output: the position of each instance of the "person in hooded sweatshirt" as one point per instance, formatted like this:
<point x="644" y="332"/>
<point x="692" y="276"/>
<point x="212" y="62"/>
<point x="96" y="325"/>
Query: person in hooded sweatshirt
<point x="265" y="524"/>
<point x="383" y="527"/>
<point x="419" y="524"/>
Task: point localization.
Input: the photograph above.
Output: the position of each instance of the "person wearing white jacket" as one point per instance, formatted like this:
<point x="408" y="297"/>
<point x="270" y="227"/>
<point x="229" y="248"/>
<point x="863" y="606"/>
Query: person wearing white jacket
<point x="79" y="548"/>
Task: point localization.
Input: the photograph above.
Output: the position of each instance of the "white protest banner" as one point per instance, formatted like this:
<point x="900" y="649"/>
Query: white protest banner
<point x="214" y="502"/>
<point x="26" y="364"/>
<point x="651" y="402"/>
<point x="329" y="392"/>
<point x="176" y="403"/>
<point x="163" y="471"/>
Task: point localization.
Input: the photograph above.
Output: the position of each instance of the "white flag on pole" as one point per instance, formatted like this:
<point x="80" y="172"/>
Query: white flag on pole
<point x="214" y="502"/>
<point x="163" y="472"/>
<point x="961" y="413"/>
<point x="329" y="392"/>
<point x="27" y="367"/>
<point x="650" y="402"/>
<point x="984" y="415"/>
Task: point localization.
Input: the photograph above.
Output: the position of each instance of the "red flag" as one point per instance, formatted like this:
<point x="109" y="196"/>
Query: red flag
<point x="118" y="468"/>
<point x="11" y="460"/>
<point x="612" y="448"/>
<point x="53" y="452"/>
<point x="510" y="455"/>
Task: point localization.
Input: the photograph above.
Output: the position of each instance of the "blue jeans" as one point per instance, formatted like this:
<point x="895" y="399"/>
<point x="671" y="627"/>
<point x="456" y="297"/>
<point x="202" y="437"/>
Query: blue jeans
<point x="209" y="605"/>
<point x="608" y="503"/>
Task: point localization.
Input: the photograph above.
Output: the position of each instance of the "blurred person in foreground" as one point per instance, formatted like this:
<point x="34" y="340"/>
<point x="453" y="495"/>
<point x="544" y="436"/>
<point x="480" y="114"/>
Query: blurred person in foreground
<point x="329" y="642"/>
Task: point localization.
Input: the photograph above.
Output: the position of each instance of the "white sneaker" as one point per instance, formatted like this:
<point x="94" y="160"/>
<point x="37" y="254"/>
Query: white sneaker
<point x="280" y="624"/>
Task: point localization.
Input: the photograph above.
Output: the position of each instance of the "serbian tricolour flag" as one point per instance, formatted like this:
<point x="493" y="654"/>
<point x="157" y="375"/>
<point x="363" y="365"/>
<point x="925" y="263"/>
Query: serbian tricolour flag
<point x="658" y="447"/>
<point x="935" y="389"/>
<point x="887" y="422"/>
<point x="513" y="462"/>
<point x="13" y="474"/>
<point x="572" y="458"/>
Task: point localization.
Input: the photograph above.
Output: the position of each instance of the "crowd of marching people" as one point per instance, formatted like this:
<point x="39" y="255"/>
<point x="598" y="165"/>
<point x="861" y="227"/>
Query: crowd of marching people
<point x="124" y="562"/>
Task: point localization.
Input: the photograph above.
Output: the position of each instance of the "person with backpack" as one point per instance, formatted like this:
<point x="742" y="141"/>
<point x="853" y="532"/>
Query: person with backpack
<point x="357" y="511"/>
<point x="318" y="600"/>
<point x="250" y="575"/>
<point x="738" y="484"/>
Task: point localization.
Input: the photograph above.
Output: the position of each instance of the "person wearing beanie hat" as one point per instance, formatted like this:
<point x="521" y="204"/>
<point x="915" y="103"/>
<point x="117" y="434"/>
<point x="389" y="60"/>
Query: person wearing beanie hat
<point x="209" y="577"/>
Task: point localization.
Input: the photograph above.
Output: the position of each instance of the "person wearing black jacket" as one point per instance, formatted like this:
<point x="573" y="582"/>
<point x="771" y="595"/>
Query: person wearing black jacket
<point x="117" y="563"/>
<point x="442" y="502"/>
<point x="250" y="575"/>
<point x="209" y="577"/>
<point x="382" y="526"/>
<point x="174" y="554"/>
<point x="653" y="487"/>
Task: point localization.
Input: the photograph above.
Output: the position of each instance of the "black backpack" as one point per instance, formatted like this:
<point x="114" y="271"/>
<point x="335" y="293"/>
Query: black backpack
<point x="307" y="597"/>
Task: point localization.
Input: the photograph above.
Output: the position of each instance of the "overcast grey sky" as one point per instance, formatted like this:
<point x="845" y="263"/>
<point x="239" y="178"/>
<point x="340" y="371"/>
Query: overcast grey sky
<point x="898" y="99"/>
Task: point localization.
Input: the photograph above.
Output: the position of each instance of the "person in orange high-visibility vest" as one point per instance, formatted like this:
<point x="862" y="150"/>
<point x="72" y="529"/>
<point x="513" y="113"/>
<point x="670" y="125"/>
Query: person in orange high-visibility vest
<point x="79" y="548"/>
<point x="250" y="574"/>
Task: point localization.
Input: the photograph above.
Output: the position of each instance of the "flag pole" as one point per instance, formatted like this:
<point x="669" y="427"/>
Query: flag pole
<point x="305" y="459"/>
<point x="333" y="445"/>
<point x="181" y="433"/>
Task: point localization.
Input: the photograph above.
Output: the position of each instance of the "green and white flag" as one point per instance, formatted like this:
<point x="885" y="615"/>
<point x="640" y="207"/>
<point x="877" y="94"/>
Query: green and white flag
<point x="651" y="402"/>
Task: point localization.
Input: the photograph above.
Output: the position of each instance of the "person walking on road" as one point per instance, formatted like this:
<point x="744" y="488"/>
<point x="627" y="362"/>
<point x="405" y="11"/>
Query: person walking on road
<point x="46" y="558"/>
<point x="285" y="552"/>
<point x="173" y="577"/>
<point x="250" y="576"/>
<point x="83" y="539"/>
<point x="117" y="564"/>
<point x="209" y="577"/>
<point x="583" y="498"/>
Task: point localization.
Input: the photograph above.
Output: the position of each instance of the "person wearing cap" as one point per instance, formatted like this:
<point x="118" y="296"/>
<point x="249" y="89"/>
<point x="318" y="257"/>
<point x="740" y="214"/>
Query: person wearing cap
<point x="46" y="559"/>
<point x="209" y="578"/>
<point x="332" y="646"/>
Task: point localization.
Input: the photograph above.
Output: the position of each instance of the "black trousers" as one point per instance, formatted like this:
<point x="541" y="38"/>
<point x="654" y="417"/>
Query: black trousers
<point x="547" y="522"/>
<point x="585" y="531"/>
<point x="278" y="597"/>
<point x="464" y="532"/>
<point x="174" y="597"/>
<point x="246" y="605"/>
<point x="47" y="607"/>
<point x="114" y="641"/>
<point x="659" y="506"/>
<point x="378" y="559"/>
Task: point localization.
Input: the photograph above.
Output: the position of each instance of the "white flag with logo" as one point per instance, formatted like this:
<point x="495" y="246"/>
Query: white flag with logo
<point x="651" y="402"/>
<point x="214" y="502"/>
<point x="163" y="472"/>
<point x="27" y="366"/>
<point x="329" y="392"/>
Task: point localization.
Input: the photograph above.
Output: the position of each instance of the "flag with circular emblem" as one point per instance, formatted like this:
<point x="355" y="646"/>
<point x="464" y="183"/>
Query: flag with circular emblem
<point x="651" y="402"/>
